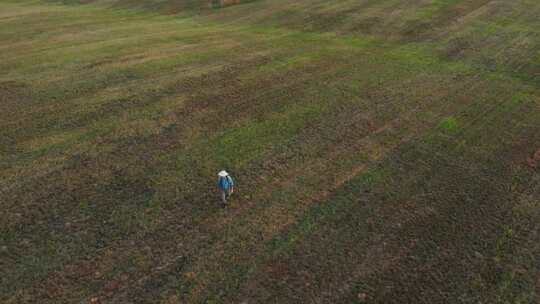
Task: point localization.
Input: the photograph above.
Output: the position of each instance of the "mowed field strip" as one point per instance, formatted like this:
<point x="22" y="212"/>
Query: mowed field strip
<point x="384" y="151"/>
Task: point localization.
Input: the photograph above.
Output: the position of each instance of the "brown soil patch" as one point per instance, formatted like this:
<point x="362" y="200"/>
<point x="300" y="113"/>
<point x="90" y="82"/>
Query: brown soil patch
<point x="11" y="89"/>
<point x="534" y="160"/>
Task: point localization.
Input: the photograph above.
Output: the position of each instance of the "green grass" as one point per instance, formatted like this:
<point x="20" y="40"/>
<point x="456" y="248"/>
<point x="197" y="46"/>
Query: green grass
<point x="450" y="124"/>
<point x="380" y="150"/>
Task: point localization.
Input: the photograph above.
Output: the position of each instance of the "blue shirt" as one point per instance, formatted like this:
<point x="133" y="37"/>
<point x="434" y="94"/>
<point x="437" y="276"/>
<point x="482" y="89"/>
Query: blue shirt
<point x="225" y="182"/>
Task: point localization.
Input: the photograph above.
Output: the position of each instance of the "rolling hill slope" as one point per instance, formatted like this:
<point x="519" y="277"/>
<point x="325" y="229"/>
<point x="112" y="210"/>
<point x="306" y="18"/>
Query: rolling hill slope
<point x="384" y="151"/>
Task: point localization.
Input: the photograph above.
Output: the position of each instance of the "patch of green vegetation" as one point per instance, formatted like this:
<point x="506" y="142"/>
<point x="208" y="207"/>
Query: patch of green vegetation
<point x="449" y="125"/>
<point x="485" y="29"/>
<point x="421" y="57"/>
<point x="215" y="4"/>
<point x="522" y="97"/>
<point x="288" y="63"/>
<point x="513" y="285"/>
<point x="434" y="8"/>
<point x="324" y="211"/>
<point x="357" y="42"/>
<point x="237" y="146"/>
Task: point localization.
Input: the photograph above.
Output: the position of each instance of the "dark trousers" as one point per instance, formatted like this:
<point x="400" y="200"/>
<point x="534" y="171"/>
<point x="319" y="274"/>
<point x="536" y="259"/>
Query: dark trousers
<point x="225" y="193"/>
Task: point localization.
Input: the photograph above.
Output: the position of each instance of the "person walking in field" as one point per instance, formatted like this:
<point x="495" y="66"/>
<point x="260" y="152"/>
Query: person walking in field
<point x="225" y="185"/>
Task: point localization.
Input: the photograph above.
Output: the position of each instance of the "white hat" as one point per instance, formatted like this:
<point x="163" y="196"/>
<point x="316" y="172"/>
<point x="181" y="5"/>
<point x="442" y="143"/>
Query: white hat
<point x="223" y="173"/>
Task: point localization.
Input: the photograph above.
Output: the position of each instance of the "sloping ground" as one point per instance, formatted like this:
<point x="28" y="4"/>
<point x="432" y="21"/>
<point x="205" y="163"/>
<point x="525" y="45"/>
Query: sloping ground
<point x="497" y="35"/>
<point x="384" y="152"/>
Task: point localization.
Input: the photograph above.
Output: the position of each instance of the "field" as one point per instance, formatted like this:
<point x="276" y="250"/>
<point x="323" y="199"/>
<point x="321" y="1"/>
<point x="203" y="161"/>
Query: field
<point x="384" y="151"/>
